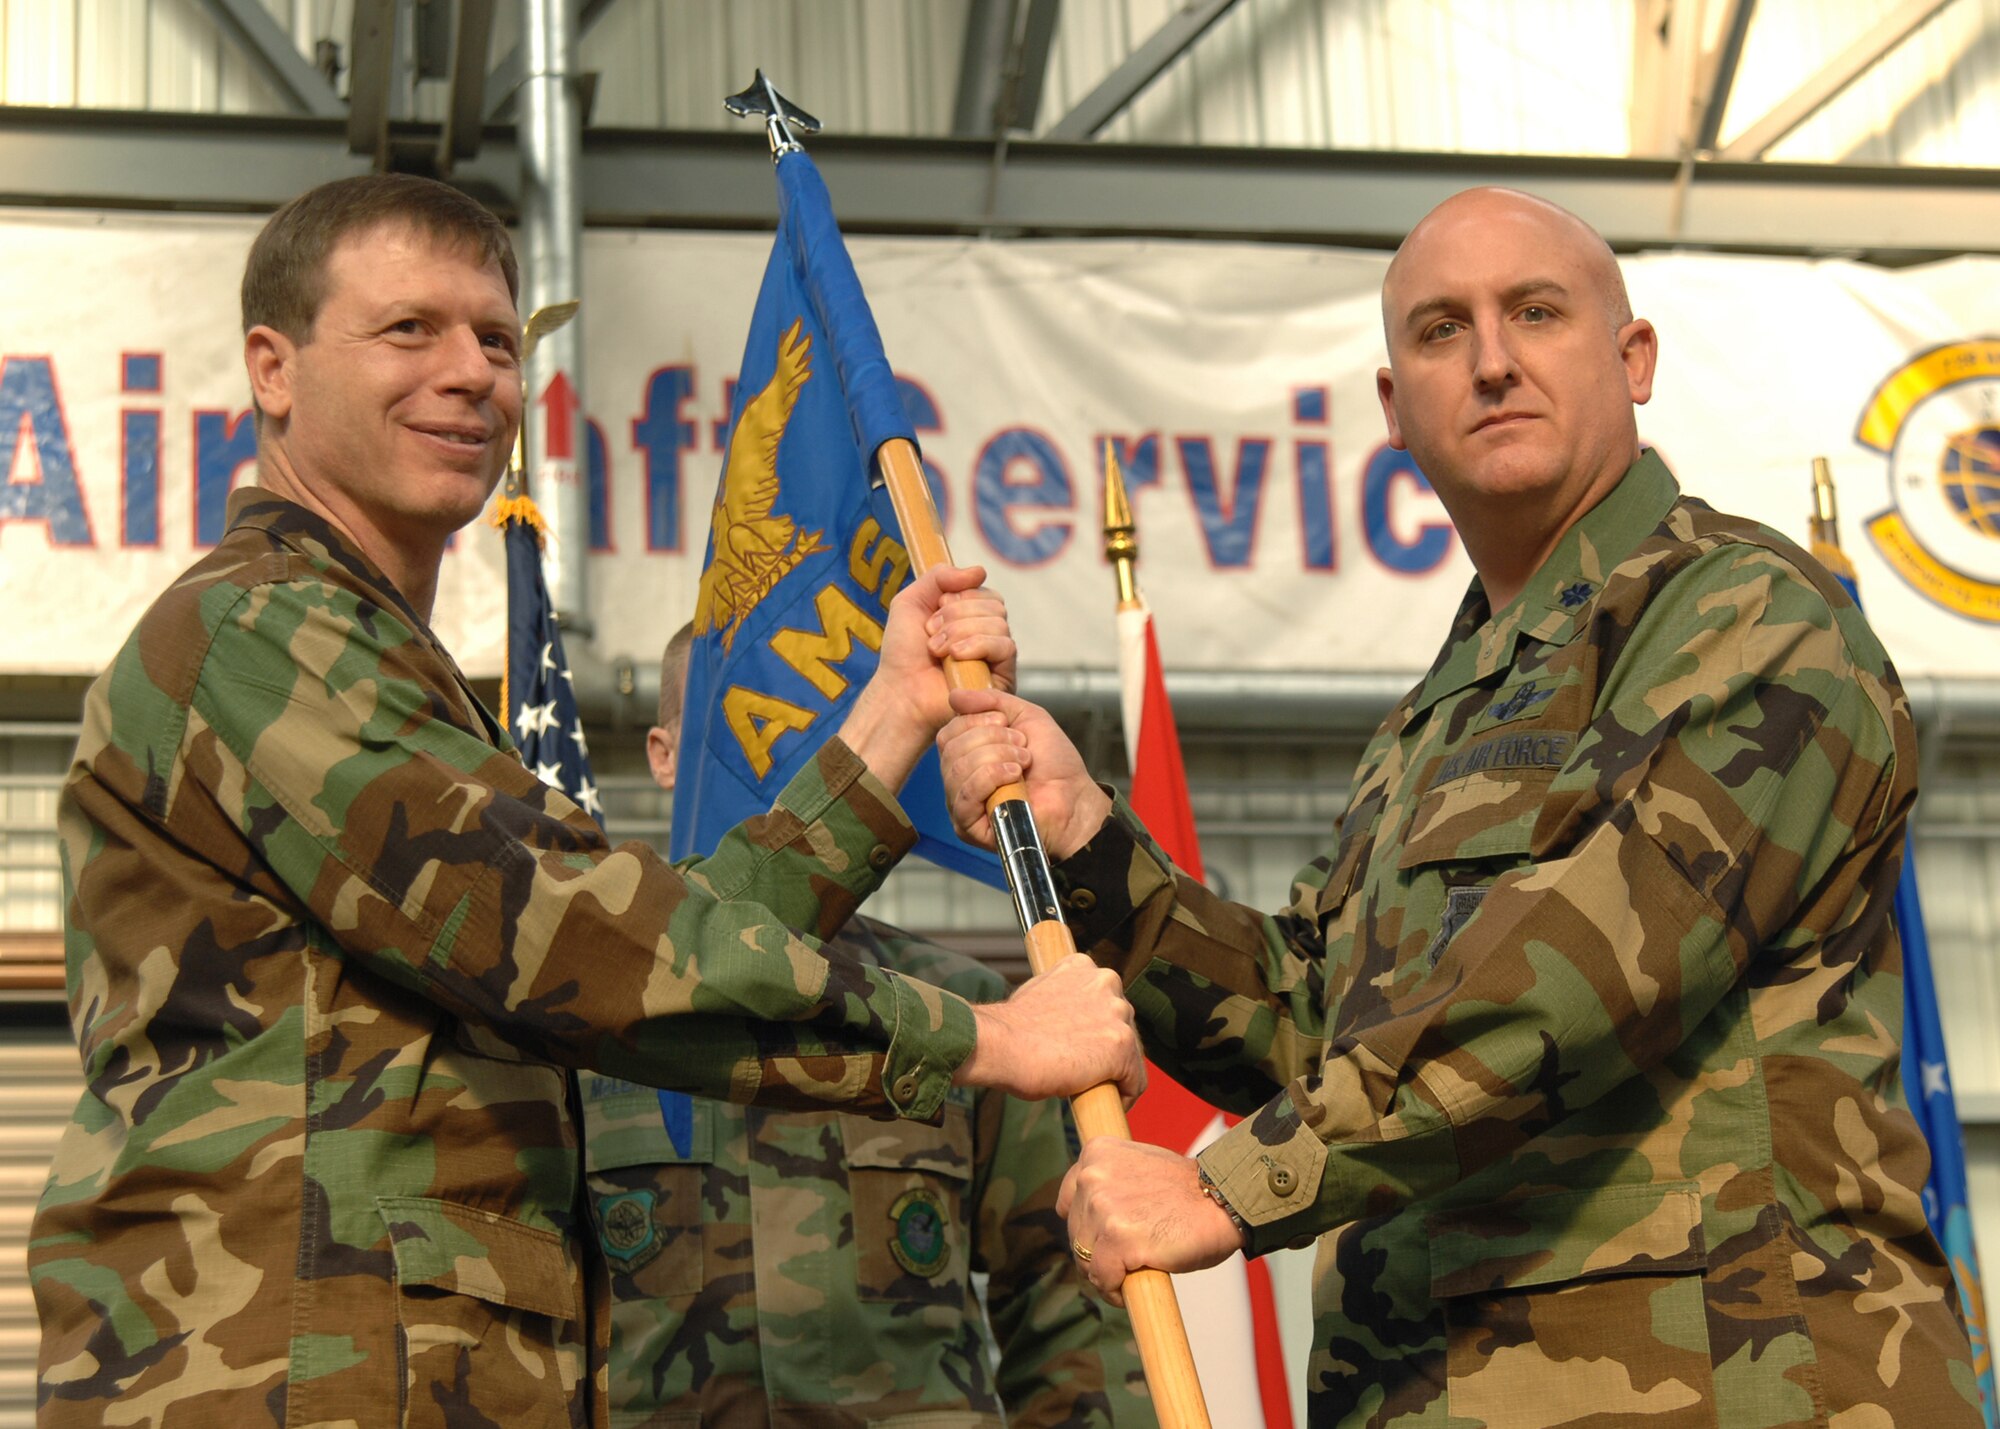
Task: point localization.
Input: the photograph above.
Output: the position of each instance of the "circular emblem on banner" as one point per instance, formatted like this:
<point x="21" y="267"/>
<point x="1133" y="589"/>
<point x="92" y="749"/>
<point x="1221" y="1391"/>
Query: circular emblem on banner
<point x="1937" y="420"/>
<point x="626" y="1229"/>
<point x="919" y="1243"/>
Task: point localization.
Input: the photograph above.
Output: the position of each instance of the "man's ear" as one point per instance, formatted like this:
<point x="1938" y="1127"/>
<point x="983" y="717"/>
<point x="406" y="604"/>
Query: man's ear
<point x="663" y="755"/>
<point x="271" y="360"/>
<point x="1385" y="392"/>
<point x="1639" y="350"/>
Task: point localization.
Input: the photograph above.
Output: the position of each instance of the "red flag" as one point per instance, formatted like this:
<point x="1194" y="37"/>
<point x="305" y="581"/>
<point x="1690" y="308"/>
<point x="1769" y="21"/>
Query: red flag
<point x="1169" y="1114"/>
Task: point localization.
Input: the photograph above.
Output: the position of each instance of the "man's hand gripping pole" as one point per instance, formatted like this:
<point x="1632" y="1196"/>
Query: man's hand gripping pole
<point x="1149" y="1294"/>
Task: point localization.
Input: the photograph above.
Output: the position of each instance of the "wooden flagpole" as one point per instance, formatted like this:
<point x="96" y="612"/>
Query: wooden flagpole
<point x="1149" y="1294"/>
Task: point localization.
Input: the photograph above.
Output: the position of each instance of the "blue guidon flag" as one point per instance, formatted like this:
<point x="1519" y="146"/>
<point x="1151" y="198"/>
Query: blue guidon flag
<point x="804" y="551"/>
<point x="537" y="701"/>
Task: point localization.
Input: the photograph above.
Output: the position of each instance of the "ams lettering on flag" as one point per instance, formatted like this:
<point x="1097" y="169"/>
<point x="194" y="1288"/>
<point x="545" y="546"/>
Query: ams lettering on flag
<point x="804" y="553"/>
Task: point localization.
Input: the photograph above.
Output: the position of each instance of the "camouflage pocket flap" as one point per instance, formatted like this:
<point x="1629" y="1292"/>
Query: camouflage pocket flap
<point x="1570" y="1235"/>
<point x="942" y="1150"/>
<point x="477" y="1253"/>
<point x="1487" y="816"/>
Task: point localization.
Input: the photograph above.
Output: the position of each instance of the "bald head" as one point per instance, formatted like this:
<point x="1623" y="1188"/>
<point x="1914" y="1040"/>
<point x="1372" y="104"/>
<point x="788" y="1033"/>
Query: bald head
<point x="1472" y="217"/>
<point x="1515" y="365"/>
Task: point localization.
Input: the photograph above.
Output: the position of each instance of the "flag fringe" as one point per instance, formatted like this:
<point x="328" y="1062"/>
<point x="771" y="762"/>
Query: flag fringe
<point x="523" y="509"/>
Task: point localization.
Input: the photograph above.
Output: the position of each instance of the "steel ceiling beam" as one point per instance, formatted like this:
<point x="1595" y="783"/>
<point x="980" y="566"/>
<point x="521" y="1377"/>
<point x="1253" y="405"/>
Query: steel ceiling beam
<point x="1138" y="69"/>
<point x="252" y="29"/>
<point x="508" y="72"/>
<point x="464" y="107"/>
<point x="989" y="35"/>
<point x="1822" y="88"/>
<point x="999" y="71"/>
<point x="103" y="159"/>
<point x="1721" y="66"/>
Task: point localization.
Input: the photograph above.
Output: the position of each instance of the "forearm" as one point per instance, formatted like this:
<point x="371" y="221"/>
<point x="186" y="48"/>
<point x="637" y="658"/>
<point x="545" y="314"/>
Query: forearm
<point x="1178" y="947"/>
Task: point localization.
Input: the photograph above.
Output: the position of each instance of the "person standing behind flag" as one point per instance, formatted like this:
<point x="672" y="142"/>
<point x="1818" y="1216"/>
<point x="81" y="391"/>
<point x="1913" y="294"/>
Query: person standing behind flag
<point x="332" y="949"/>
<point x="1577" y="1051"/>
<point x="779" y="1266"/>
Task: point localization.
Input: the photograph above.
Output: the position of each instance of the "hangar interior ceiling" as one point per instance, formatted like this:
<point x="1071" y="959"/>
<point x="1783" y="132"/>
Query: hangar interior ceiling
<point x="1867" y="127"/>
<point x="1815" y="81"/>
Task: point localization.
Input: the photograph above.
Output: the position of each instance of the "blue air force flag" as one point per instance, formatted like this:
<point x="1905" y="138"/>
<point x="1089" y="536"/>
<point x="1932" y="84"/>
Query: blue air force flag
<point x="537" y="700"/>
<point x="804" y="552"/>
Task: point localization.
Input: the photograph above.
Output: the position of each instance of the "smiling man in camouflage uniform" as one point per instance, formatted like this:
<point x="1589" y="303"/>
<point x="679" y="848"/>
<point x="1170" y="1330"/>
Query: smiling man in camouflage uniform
<point x="813" y="1270"/>
<point x="331" y="948"/>
<point x="1578" y="1051"/>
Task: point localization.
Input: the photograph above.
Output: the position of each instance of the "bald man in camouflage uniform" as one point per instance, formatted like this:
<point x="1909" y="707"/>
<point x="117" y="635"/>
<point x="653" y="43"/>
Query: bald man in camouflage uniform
<point x="1578" y="1051"/>
<point x="814" y="1269"/>
<point x="332" y="950"/>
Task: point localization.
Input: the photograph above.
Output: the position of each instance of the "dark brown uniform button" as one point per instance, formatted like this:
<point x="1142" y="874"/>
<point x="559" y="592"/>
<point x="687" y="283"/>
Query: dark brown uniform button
<point x="1082" y="899"/>
<point x="880" y="856"/>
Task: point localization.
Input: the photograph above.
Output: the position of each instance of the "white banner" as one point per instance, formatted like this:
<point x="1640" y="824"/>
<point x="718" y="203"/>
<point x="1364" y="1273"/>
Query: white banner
<point x="1277" y="530"/>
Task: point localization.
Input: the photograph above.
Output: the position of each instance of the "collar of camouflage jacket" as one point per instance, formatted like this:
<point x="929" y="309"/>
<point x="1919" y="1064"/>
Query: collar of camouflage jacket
<point x="1551" y="608"/>
<point x="327" y="547"/>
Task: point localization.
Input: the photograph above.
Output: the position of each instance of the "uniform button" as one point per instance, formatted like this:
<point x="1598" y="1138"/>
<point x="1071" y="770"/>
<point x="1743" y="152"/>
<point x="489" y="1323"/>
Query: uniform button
<point x="1282" y="1181"/>
<point x="880" y="856"/>
<point x="1082" y="899"/>
<point x="905" y="1090"/>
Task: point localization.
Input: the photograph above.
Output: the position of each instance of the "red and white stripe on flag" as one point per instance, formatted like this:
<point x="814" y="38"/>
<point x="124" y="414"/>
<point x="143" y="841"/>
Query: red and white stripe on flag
<point x="1230" y="1309"/>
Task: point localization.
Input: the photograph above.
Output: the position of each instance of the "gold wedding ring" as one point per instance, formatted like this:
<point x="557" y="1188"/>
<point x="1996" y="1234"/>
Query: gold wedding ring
<point x="1082" y="1253"/>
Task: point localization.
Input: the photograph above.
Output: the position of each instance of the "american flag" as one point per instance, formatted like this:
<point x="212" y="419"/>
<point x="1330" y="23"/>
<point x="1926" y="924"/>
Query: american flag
<point x="538" y="702"/>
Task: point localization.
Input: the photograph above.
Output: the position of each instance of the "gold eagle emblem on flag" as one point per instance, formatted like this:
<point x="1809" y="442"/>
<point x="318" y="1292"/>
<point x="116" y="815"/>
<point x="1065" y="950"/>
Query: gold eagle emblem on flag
<point x="755" y="549"/>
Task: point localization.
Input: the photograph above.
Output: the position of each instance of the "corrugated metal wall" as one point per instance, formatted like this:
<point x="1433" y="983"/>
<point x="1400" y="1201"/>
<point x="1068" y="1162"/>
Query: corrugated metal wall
<point x="39" y="1082"/>
<point x="1532" y="76"/>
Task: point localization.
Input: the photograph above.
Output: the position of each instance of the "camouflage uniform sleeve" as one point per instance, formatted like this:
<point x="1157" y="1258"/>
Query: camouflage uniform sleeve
<point x="1128" y="907"/>
<point x="449" y="868"/>
<point x="1734" y="752"/>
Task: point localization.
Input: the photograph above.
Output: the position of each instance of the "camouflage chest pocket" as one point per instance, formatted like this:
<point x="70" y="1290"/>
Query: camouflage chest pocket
<point x="1466" y="831"/>
<point x="1539" y="1295"/>
<point x="489" y="1314"/>
<point x="908" y="1182"/>
<point x="646" y="1155"/>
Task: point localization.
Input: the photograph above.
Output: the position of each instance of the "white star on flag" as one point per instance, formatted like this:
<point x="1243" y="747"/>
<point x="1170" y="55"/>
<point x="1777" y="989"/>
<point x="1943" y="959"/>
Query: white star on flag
<point x="1935" y="1084"/>
<point x="586" y="798"/>
<point x="548" y="655"/>
<point x="535" y="719"/>
<point x="550" y="774"/>
<point x="582" y="744"/>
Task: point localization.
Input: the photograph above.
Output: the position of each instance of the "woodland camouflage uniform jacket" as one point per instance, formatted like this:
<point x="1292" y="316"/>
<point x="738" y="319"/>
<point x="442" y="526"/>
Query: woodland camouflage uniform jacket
<point x="813" y="1270"/>
<point x="330" y="948"/>
<point x="1579" y="1049"/>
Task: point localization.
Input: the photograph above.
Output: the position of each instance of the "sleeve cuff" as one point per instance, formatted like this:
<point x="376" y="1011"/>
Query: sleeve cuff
<point x="1269" y="1168"/>
<point x="852" y="824"/>
<point x="1103" y="883"/>
<point x="934" y="1033"/>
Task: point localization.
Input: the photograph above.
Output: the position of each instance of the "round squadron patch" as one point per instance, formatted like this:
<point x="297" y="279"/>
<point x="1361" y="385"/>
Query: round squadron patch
<point x="626" y="1229"/>
<point x="919" y="1243"/>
